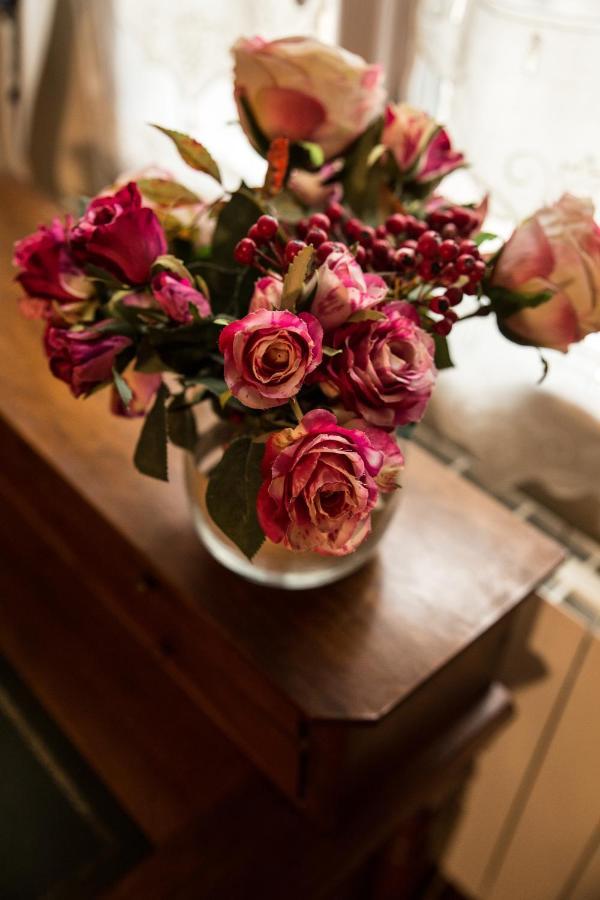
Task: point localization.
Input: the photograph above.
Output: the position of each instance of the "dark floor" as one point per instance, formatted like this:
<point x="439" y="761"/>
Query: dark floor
<point x="62" y="835"/>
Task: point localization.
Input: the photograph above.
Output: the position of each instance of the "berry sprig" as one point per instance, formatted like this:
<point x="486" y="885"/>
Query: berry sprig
<point x="430" y="262"/>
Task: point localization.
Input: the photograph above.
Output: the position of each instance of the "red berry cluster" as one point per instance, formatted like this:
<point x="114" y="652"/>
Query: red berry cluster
<point x="453" y="221"/>
<point x="268" y="243"/>
<point x="434" y="252"/>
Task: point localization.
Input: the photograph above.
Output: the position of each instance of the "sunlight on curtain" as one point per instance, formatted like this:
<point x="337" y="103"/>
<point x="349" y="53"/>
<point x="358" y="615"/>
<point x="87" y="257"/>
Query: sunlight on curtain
<point x="173" y="66"/>
<point x="516" y="83"/>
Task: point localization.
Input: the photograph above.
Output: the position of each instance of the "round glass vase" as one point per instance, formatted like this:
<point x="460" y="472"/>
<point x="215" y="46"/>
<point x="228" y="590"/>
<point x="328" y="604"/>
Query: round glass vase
<point x="273" y="564"/>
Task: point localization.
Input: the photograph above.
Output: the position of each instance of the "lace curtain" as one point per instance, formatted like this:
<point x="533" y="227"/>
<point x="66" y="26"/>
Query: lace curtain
<point x="516" y="82"/>
<point x="93" y="73"/>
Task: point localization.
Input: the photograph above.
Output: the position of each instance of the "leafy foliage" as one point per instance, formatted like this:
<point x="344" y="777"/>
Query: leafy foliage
<point x="187" y="348"/>
<point x="150" y="456"/>
<point x="362" y="181"/>
<point x="232" y="494"/>
<point x="506" y="302"/>
<point x="233" y="223"/>
<point x="443" y="360"/>
<point x="192" y="152"/>
<point x="166" y="192"/>
<point x="293" y="282"/>
<point x="181" y="424"/>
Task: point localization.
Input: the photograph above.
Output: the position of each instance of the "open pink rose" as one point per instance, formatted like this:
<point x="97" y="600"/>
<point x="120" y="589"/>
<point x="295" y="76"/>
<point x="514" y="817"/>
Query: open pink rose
<point x="267" y="293"/>
<point x="557" y="249"/>
<point x="118" y="234"/>
<point x="343" y="289"/>
<point x="421" y="148"/>
<point x="386" y="369"/>
<point x="319" y="486"/>
<point x="268" y="355"/>
<point x="82" y="359"/>
<point x="175" y="295"/>
<point x="304" y="90"/>
<point x="143" y="386"/>
<point x="49" y="272"/>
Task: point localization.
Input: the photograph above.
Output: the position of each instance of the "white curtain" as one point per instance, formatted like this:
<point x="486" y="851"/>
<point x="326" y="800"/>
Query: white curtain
<point x="94" y="73"/>
<point x="516" y="82"/>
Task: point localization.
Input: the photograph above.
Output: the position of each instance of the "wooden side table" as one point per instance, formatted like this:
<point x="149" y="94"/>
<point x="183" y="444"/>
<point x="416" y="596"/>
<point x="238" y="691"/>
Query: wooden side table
<point x="363" y="704"/>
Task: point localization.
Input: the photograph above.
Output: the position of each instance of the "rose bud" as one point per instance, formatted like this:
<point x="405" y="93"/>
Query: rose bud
<point x="304" y="90"/>
<point x="557" y="249"/>
<point x="268" y="355"/>
<point x="421" y="148"/>
<point x="343" y="289"/>
<point x="319" y="486"/>
<point x="267" y="293"/>
<point x="82" y="359"/>
<point x="120" y="235"/>
<point x="175" y="294"/>
<point x="386" y="369"/>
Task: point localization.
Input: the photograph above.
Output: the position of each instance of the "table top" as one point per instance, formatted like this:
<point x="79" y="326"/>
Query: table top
<point x="453" y="562"/>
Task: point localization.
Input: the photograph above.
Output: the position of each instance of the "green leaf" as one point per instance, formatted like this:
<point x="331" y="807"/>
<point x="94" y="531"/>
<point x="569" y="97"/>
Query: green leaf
<point x="187" y="348"/>
<point x="223" y="319"/>
<point x="192" y="152"/>
<point x="505" y="302"/>
<point x="166" y="192"/>
<point x="181" y="426"/>
<point x="484" y="236"/>
<point x="230" y="288"/>
<point x="96" y="273"/>
<point x="172" y="264"/>
<point x="233" y="224"/>
<point x="314" y="152"/>
<point x="443" y="360"/>
<point x="232" y="494"/>
<point x="123" y="389"/>
<point x="366" y="315"/>
<point x="362" y="179"/>
<point x="295" y="277"/>
<point x="331" y="351"/>
<point x="150" y="456"/>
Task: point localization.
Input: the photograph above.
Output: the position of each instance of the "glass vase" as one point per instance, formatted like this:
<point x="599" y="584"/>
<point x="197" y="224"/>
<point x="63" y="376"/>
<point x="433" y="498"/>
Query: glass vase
<point x="273" y="564"/>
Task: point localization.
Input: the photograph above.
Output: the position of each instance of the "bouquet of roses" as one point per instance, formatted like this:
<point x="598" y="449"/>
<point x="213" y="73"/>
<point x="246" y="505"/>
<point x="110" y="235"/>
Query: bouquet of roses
<point x="312" y="312"/>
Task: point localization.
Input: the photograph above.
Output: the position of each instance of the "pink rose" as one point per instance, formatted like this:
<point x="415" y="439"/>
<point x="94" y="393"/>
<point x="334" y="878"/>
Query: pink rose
<point x="175" y="295"/>
<point x="143" y="386"/>
<point x="267" y="293"/>
<point x="343" y="289"/>
<point x="319" y="486"/>
<point x="118" y="234"/>
<point x="268" y="355"/>
<point x="557" y="249"/>
<point x="82" y="359"/>
<point x="48" y="271"/>
<point x="386" y="369"/>
<point x="421" y="148"/>
<point x="388" y="477"/>
<point x="304" y="90"/>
